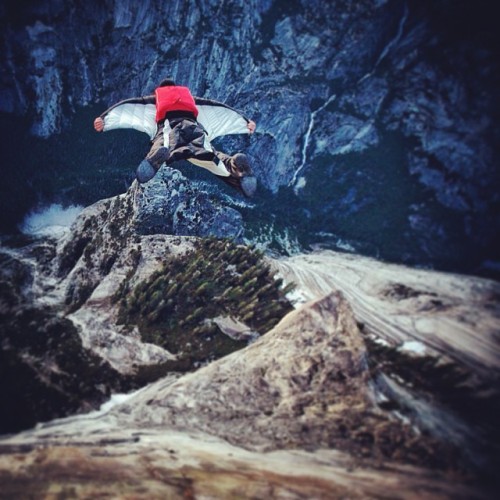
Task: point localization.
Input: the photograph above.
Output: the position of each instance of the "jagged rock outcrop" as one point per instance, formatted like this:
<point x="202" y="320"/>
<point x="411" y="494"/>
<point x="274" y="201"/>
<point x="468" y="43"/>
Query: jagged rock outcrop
<point x="318" y="391"/>
<point x="108" y="308"/>
<point x="303" y="385"/>
<point x="440" y="327"/>
<point x="46" y="370"/>
<point x="454" y="316"/>
<point x="170" y="204"/>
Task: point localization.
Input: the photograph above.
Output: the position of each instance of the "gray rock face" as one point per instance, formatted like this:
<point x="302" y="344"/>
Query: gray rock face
<point x="389" y="93"/>
<point x="305" y="384"/>
<point x="312" y="397"/>
<point x="126" y="239"/>
<point x="287" y="384"/>
<point x="47" y="370"/>
<point x="375" y="57"/>
<point x="400" y="304"/>
<point x="62" y="336"/>
<point x="160" y="465"/>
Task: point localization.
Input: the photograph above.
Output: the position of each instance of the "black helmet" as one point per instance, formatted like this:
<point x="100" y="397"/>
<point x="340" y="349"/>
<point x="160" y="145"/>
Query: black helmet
<point x="167" y="82"/>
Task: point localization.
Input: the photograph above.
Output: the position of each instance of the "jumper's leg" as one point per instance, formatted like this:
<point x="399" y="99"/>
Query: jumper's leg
<point x="157" y="156"/>
<point x="233" y="170"/>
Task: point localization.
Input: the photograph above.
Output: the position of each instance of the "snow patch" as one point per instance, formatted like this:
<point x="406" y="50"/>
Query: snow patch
<point x="53" y="220"/>
<point x="380" y="341"/>
<point x="413" y="346"/>
<point x="300" y="184"/>
<point x="115" y="400"/>
<point x="297" y="297"/>
<point x="344" y="245"/>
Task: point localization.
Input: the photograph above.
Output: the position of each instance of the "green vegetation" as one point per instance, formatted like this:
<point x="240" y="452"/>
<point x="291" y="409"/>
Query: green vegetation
<point x="175" y="306"/>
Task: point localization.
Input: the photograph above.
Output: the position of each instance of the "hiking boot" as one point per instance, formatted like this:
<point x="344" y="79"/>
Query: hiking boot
<point x="147" y="168"/>
<point x="241" y="176"/>
<point x="239" y="165"/>
<point x="145" y="171"/>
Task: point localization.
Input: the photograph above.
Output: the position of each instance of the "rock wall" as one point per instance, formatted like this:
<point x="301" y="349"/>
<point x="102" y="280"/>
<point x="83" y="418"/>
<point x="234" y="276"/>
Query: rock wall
<point x="378" y="110"/>
<point x="171" y="205"/>
<point x="76" y="324"/>
<point x="454" y="316"/>
<point x="346" y="73"/>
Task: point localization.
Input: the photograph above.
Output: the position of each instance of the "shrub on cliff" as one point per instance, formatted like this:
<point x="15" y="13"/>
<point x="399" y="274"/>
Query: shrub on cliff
<point x="175" y="307"/>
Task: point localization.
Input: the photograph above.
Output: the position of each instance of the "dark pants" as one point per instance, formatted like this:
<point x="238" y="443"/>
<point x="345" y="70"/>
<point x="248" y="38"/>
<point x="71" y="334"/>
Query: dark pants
<point x="186" y="140"/>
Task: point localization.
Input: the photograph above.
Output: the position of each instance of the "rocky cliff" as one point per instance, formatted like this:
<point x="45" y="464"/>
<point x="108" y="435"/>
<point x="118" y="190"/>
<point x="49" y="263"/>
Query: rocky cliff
<point x="377" y="119"/>
<point x="124" y="303"/>
<point x="293" y="415"/>
<point x="237" y="374"/>
<point x="382" y="379"/>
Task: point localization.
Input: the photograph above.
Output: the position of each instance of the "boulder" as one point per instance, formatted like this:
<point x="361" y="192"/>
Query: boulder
<point x="171" y="204"/>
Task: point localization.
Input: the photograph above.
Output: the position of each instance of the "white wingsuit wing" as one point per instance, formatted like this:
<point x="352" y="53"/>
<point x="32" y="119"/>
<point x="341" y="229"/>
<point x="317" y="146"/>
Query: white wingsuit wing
<point x="138" y="116"/>
<point x="216" y="118"/>
<point x="220" y="120"/>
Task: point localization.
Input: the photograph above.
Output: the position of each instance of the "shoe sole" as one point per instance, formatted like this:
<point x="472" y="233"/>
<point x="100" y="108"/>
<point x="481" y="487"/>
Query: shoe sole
<point x="145" y="172"/>
<point x="248" y="185"/>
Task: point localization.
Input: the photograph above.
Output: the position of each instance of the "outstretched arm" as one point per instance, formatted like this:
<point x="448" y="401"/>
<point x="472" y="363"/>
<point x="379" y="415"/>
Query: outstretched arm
<point x="137" y="113"/>
<point x="220" y="119"/>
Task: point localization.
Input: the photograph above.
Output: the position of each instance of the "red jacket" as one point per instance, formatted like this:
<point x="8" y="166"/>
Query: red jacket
<point x="174" y="98"/>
